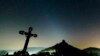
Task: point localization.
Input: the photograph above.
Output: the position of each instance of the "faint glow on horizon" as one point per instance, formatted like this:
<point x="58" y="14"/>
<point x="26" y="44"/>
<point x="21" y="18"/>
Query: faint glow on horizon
<point x="11" y="39"/>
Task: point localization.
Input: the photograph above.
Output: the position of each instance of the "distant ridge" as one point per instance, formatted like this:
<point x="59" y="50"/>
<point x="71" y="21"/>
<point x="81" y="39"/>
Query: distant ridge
<point x="34" y="50"/>
<point x="93" y="51"/>
<point x="31" y="50"/>
<point x="92" y="48"/>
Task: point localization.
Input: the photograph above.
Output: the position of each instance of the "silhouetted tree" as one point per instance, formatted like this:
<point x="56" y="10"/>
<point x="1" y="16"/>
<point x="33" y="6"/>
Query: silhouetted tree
<point x="3" y="52"/>
<point x="19" y="53"/>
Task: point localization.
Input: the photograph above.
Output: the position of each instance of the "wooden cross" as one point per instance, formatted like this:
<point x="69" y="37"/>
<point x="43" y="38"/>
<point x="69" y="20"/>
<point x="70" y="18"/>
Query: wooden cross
<point x="28" y="35"/>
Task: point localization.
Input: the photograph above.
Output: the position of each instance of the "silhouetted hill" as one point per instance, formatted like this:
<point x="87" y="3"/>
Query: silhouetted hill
<point x="64" y="49"/>
<point x="93" y="51"/>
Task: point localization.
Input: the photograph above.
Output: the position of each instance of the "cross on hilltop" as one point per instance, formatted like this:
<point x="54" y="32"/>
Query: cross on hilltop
<point x="28" y="35"/>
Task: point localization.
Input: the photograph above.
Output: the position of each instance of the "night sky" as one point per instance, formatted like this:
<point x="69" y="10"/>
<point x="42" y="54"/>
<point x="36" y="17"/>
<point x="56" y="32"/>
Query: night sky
<point x="76" y="21"/>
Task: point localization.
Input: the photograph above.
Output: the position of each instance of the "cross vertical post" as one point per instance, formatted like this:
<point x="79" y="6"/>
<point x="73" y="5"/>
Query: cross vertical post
<point x="28" y="35"/>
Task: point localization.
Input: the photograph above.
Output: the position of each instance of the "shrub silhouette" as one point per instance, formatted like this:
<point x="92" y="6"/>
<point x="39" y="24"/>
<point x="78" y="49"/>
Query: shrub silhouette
<point x="3" y="52"/>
